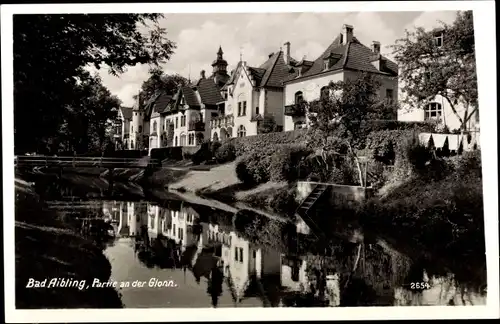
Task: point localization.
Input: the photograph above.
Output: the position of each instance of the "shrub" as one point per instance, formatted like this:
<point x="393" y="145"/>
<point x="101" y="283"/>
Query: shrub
<point x="284" y="202"/>
<point x="203" y="154"/>
<point x="214" y="146"/>
<point x="225" y="153"/>
<point x="250" y="144"/>
<point x="287" y="161"/>
<point x="253" y="168"/>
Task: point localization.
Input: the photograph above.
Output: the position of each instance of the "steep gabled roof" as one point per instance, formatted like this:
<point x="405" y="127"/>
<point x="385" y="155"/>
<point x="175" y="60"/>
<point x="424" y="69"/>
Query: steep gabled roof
<point x="209" y="93"/>
<point x="277" y="71"/>
<point x="271" y="73"/>
<point x="161" y="103"/>
<point x="126" y="112"/>
<point x="353" y="55"/>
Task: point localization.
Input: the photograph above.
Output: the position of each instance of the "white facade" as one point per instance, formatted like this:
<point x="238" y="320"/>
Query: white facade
<point x="439" y="109"/>
<point x="310" y="89"/>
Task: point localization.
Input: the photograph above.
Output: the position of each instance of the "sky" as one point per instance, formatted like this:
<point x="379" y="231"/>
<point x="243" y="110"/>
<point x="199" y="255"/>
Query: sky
<point x="256" y="35"/>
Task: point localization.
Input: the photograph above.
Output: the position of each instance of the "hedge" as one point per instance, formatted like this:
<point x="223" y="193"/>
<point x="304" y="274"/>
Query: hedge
<point x="174" y="153"/>
<point x="253" y="143"/>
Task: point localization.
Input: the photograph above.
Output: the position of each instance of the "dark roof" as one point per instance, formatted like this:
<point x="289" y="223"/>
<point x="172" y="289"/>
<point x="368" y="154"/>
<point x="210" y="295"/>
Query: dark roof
<point x="148" y="107"/>
<point x="161" y="103"/>
<point x="127" y="112"/>
<point x="271" y="73"/>
<point x="209" y="93"/>
<point x="353" y="55"/>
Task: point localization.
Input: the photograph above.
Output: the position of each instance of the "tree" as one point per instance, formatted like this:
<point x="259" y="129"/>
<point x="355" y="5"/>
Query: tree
<point x="158" y="81"/>
<point x="427" y="70"/>
<point x="340" y="121"/>
<point x="52" y="57"/>
<point x="87" y="120"/>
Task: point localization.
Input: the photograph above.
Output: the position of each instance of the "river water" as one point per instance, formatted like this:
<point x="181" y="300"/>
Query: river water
<point x="174" y="253"/>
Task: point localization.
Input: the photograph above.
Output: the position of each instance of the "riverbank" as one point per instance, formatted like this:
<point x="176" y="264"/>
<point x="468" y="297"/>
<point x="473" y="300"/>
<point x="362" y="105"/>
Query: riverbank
<point x="45" y="248"/>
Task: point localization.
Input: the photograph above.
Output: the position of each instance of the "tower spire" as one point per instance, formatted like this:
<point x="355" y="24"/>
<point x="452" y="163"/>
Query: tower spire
<point x="241" y="53"/>
<point x="189" y="74"/>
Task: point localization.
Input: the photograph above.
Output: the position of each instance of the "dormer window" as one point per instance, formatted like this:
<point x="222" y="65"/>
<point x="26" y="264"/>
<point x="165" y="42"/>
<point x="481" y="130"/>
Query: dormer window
<point x="438" y="39"/>
<point x="330" y="60"/>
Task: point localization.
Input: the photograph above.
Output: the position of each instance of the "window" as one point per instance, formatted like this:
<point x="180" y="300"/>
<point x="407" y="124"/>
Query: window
<point x="256" y="110"/>
<point x="215" y="137"/>
<point x="242" y="132"/>
<point x="131" y="144"/>
<point x="191" y="139"/>
<point x="154" y="126"/>
<point x="433" y="111"/>
<point x="183" y="140"/>
<point x="135" y="114"/>
<point x="299" y="97"/>
<point x="140" y="129"/>
<point x="244" y="108"/>
<point x="183" y="121"/>
<point x="389" y="95"/>
<point x="295" y="272"/>
<point x="438" y="39"/>
<point x="175" y="141"/>
<point x="176" y="122"/>
<point x="131" y="128"/>
<point x="181" y="234"/>
<point x="254" y="254"/>
<point x="214" y="114"/>
<point x="325" y="93"/>
<point x="241" y="255"/>
<point x="239" y="108"/>
<point x="173" y="229"/>
<point x="236" y="254"/>
<point x="325" y="65"/>
<point x="299" y="125"/>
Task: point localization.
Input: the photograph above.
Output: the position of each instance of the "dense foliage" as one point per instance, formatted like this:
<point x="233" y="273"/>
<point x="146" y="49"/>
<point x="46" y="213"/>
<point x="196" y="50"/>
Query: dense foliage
<point x="449" y="70"/>
<point x="342" y="118"/>
<point x="157" y="82"/>
<point x="225" y="153"/>
<point x="52" y="83"/>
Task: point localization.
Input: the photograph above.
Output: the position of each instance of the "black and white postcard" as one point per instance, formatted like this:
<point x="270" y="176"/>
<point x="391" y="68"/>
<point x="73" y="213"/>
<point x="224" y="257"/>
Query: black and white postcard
<point x="257" y="161"/>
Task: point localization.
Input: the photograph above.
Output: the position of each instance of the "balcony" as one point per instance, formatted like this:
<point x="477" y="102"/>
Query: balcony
<point x="198" y="126"/>
<point x="295" y="110"/>
<point x="222" y="121"/>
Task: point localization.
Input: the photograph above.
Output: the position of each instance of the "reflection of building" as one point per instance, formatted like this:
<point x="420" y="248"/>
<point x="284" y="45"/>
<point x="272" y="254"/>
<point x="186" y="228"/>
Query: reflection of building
<point x="241" y="259"/>
<point x="173" y="224"/>
<point x="111" y="211"/>
<point x="129" y="215"/>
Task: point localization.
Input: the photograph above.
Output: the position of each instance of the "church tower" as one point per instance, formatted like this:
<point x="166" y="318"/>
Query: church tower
<point x="219" y="73"/>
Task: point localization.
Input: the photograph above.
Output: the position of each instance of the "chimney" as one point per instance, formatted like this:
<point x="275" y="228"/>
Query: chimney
<point x="287" y="52"/>
<point x="202" y="74"/>
<point x="270" y="55"/>
<point x="376" y="47"/>
<point x="347" y="31"/>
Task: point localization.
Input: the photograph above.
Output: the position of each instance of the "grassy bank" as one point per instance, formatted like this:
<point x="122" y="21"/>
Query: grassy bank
<point x="45" y="248"/>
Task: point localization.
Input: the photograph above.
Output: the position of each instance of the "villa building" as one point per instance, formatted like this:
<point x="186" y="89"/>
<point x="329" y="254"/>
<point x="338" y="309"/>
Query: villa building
<point x="123" y="125"/>
<point x="343" y="60"/>
<point x="184" y="118"/>
<point x="251" y="94"/>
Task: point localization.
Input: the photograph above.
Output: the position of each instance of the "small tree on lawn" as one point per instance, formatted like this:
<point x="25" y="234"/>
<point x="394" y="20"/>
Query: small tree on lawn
<point x="340" y="120"/>
<point x="449" y="70"/>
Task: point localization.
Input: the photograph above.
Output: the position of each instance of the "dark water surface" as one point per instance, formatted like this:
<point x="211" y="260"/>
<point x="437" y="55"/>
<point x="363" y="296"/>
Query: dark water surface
<point x="173" y="253"/>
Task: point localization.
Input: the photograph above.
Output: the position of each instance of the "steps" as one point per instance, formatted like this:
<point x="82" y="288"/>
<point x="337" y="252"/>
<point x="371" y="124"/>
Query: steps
<point x="311" y="200"/>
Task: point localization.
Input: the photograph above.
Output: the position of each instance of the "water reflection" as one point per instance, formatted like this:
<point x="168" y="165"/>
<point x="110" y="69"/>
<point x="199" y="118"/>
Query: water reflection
<point x="223" y="259"/>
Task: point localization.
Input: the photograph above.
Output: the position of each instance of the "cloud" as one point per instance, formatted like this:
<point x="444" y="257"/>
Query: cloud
<point x="198" y="37"/>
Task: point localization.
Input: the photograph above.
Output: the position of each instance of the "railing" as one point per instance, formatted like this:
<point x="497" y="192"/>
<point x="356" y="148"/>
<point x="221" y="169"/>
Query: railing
<point x="196" y="126"/>
<point x="295" y="110"/>
<point x="223" y="121"/>
<point x="79" y="161"/>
